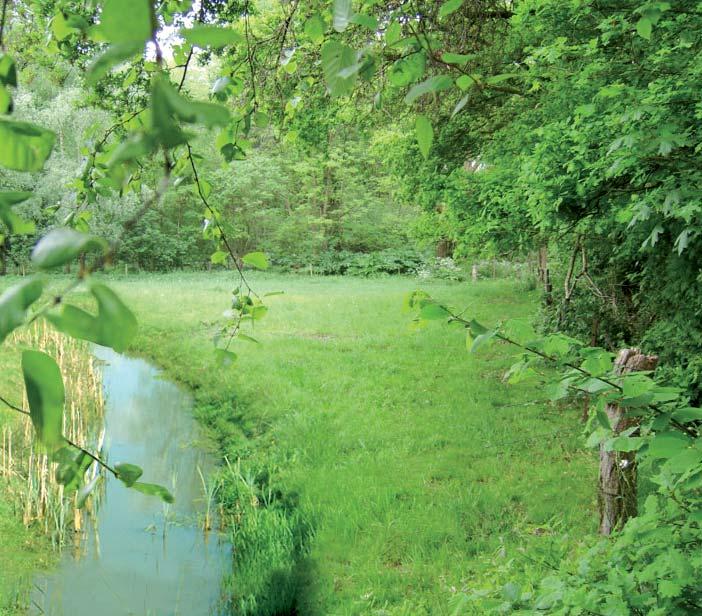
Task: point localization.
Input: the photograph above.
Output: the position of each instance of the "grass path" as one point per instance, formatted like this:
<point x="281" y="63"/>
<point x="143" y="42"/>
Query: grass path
<point x="414" y="460"/>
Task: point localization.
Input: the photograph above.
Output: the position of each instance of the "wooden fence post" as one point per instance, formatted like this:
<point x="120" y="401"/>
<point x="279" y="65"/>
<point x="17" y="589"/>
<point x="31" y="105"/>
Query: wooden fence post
<point x="617" y="482"/>
<point x="474" y="273"/>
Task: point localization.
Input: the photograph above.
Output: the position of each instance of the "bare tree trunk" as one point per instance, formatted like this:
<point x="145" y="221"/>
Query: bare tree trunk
<point x="617" y="489"/>
<point x="474" y="273"/>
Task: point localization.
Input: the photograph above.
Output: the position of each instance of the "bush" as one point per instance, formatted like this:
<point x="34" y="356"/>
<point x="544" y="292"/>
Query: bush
<point x="342" y="262"/>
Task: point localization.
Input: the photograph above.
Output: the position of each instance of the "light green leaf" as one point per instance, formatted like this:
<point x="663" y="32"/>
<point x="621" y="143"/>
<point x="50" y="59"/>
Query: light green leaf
<point x="151" y="489"/>
<point x="367" y="21"/>
<point x="460" y="105"/>
<point x="431" y="85"/>
<point x="125" y="21"/>
<point x="314" y="28"/>
<point x="114" y="326"/>
<point x="211" y="36"/>
<point x="456" y="58"/>
<point x="343" y="12"/>
<point x="45" y="395"/>
<point x="432" y="311"/>
<point x="256" y="259"/>
<point x="167" y="99"/>
<point x="482" y="340"/>
<point x="219" y="257"/>
<point x="448" y="7"/>
<point x="335" y="59"/>
<point x="14" y="304"/>
<point x="667" y="445"/>
<point x="113" y="56"/>
<point x="224" y="357"/>
<point x="393" y="33"/>
<point x="644" y="28"/>
<point x="59" y="246"/>
<point x="24" y="146"/>
<point x="425" y="135"/>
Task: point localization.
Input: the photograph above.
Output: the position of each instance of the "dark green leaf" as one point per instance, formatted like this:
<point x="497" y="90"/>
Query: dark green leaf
<point x="128" y="474"/>
<point x="45" y="395"/>
<point x="8" y="70"/>
<point x="425" y="135"/>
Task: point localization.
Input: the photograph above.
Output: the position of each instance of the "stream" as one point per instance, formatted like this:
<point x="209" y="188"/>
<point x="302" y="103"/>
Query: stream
<point x="138" y="555"/>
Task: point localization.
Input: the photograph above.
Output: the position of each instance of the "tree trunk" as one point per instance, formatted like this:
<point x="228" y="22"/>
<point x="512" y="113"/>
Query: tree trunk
<point x="617" y="489"/>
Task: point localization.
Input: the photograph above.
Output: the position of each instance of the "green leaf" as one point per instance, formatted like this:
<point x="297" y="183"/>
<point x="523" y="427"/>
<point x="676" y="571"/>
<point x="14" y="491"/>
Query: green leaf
<point x="314" y="28"/>
<point x="425" y="135"/>
<point x="367" y="21"/>
<point x="45" y="395"/>
<point x="114" y="326"/>
<point x="219" y="257"/>
<point x="113" y="56"/>
<point x="5" y="100"/>
<point x="8" y="70"/>
<point x="24" y="146"/>
<point x="7" y="200"/>
<point x="60" y="27"/>
<point x="644" y="28"/>
<point x="256" y="259"/>
<point x="128" y="474"/>
<point x="167" y="100"/>
<point x="343" y="13"/>
<point x="432" y="311"/>
<point x="431" y="85"/>
<point x="14" y="304"/>
<point x="224" y="357"/>
<point x="451" y="6"/>
<point x="477" y="329"/>
<point x="456" y="58"/>
<point x="211" y="36"/>
<point x="667" y="445"/>
<point x="125" y="21"/>
<point x="407" y="70"/>
<point x="335" y="59"/>
<point x="464" y="82"/>
<point x="482" y="340"/>
<point x="393" y="34"/>
<point x="61" y="245"/>
<point x="152" y="489"/>
<point x="86" y="491"/>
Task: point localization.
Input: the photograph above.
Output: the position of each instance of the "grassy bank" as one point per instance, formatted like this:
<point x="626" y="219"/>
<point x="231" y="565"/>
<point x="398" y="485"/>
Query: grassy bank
<point x="408" y="459"/>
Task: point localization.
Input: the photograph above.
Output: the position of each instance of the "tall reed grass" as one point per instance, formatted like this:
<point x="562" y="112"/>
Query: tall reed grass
<point x="26" y="469"/>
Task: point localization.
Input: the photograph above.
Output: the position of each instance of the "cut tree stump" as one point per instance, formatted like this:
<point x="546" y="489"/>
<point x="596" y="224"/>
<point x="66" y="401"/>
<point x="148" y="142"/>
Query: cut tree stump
<point x="617" y="488"/>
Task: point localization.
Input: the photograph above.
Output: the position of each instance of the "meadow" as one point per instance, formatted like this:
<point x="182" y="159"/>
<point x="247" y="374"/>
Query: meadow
<point x="368" y="467"/>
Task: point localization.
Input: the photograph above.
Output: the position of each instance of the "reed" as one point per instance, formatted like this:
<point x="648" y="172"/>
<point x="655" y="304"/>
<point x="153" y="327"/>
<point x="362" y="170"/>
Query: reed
<point x="27" y="470"/>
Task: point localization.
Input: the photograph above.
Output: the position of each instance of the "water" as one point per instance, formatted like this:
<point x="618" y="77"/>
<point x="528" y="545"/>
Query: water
<point x="141" y="556"/>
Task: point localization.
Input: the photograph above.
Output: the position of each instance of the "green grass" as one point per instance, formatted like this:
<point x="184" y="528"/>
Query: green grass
<point x="409" y="457"/>
<point x="382" y="469"/>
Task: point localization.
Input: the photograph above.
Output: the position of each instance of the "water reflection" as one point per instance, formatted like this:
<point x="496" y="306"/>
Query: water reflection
<point x="138" y="555"/>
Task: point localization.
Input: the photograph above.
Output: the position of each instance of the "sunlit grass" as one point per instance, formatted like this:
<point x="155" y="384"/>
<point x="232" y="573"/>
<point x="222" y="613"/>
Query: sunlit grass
<point x="410" y="457"/>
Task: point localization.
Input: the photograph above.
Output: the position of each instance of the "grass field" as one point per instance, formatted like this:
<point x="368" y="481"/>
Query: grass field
<point x="391" y="469"/>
